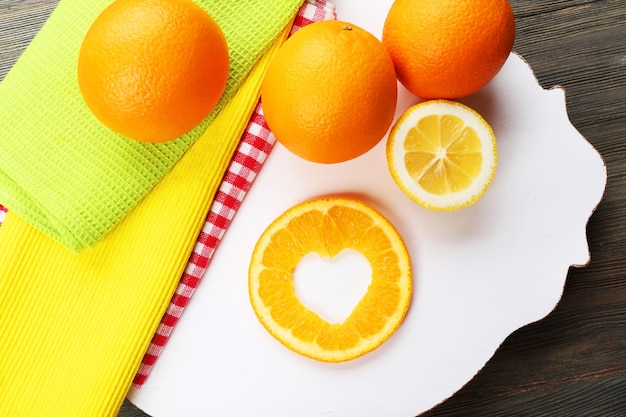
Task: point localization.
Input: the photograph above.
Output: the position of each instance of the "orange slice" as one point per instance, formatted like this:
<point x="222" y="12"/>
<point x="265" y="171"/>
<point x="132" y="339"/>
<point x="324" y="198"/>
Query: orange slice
<point x="442" y="154"/>
<point x="327" y="226"/>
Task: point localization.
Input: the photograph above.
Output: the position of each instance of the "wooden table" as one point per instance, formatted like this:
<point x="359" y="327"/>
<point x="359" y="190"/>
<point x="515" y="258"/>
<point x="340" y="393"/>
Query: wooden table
<point x="573" y="362"/>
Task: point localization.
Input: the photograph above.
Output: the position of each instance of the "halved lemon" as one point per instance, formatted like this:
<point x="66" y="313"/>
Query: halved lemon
<point x="442" y="154"/>
<point x="327" y="226"/>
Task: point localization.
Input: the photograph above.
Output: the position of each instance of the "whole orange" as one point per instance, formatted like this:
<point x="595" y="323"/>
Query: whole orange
<point x="448" y="48"/>
<point x="330" y="93"/>
<point x="153" y="69"/>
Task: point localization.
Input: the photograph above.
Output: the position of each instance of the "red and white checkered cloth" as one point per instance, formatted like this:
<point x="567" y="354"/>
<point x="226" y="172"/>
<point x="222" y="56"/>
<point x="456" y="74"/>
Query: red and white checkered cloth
<point x="255" y="145"/>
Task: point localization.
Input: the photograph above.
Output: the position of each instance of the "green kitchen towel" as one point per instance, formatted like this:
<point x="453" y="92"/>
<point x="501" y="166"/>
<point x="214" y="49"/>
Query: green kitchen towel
<point x="64" y="172"/>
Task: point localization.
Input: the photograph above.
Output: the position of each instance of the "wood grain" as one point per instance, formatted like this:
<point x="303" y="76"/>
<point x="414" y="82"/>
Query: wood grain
<point x="573" y="362"/>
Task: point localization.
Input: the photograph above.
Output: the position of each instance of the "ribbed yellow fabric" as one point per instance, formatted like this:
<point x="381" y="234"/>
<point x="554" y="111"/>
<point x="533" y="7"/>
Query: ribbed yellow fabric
<point x="62" y="170"/>
<point x="73" y="328"/>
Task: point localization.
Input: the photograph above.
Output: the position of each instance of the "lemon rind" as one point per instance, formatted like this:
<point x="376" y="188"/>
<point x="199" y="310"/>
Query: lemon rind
<point x="453" y="200"/>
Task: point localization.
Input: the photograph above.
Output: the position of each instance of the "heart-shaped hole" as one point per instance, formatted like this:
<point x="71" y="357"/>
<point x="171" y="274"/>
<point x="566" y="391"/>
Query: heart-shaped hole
<point x="332" y="287"/>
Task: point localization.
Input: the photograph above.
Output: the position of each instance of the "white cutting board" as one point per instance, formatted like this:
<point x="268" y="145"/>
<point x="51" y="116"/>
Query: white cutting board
<point x="479" y="273"/>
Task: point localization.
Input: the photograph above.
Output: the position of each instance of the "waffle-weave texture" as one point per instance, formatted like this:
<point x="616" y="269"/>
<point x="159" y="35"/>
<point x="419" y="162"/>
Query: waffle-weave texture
<point x="248" y="160"/>
<point x="61" y="170"/>
<point x="75" y="327"/>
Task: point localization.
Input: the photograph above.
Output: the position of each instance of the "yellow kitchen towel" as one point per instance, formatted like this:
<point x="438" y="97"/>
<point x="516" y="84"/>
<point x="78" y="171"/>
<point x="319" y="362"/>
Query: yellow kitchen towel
<point x="74" y="327"/>
<point x="63" y="171"/>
